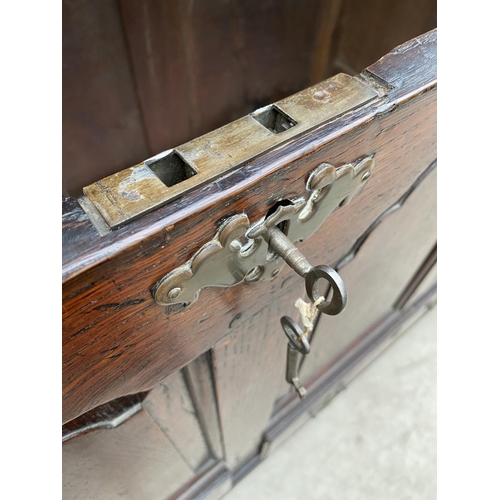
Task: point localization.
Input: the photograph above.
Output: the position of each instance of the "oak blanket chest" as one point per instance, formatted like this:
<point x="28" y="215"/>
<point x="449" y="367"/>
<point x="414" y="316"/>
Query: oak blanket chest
<point x="265" y="161"/>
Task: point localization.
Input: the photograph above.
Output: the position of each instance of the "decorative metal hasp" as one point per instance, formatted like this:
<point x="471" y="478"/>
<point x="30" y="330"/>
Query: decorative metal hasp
<point x="241" y="251"/>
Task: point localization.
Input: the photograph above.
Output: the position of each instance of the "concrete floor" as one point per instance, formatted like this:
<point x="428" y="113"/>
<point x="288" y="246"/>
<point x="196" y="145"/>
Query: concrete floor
<point x="375" y="440"/>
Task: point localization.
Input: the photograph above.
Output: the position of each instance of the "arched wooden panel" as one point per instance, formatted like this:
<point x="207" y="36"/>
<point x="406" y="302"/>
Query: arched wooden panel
<point x="135" y="460"/>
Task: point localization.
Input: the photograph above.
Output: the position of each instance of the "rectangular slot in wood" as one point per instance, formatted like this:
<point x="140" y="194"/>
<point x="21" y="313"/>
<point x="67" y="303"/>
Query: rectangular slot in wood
<point x="171" y="169"/>
<point x="274" y="119"/>
<point x="130" y="193"/>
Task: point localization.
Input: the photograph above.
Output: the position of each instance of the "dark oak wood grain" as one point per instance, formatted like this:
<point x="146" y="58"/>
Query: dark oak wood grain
<point x="368" y="29"/>
<point x="200" y="65"/>
<point x="101" y="120"/>
<point x="421" y="52"/>
<point x="111" y="323"/>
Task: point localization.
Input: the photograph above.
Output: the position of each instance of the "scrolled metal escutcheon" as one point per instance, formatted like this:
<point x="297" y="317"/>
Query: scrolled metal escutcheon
<point x="245" y="252"/>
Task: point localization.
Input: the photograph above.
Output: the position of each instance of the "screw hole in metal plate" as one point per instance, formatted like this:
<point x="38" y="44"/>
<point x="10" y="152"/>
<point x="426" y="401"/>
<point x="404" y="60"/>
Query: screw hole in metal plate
<point x="254" y="274"/>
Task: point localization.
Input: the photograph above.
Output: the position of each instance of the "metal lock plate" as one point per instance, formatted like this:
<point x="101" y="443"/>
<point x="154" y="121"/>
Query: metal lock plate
<point x="240" y="251"/>
<point x="133" y="192"/>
